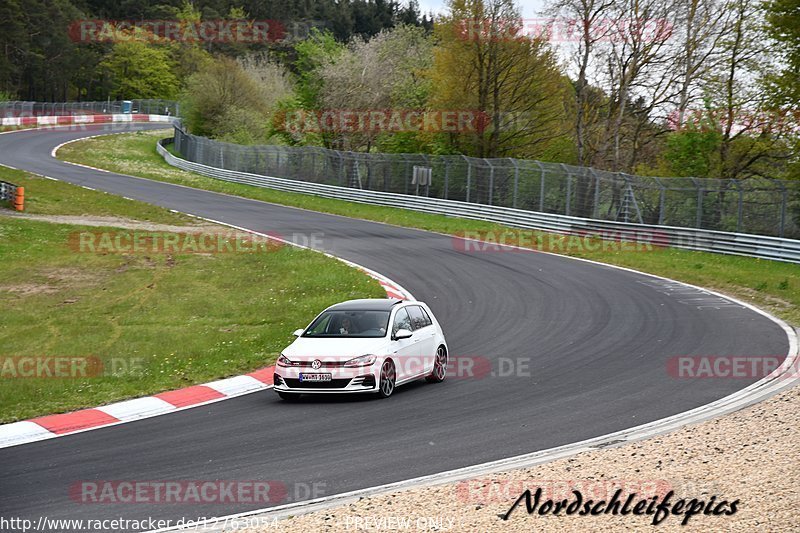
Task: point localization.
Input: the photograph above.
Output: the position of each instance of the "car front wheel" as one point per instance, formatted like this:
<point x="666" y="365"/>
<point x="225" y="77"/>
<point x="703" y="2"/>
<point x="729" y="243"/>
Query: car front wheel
<point x="439" y="366"/>
<point x="387" y="381"/>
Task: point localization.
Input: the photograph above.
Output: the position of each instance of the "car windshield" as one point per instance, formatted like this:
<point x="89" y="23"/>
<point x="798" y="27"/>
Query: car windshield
<point x="350" y="323"/>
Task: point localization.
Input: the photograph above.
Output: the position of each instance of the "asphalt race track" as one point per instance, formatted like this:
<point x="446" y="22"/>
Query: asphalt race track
<point x="597" y="341"/>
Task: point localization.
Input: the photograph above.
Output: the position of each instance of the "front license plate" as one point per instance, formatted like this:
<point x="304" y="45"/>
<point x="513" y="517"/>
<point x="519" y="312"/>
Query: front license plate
<point x="315" y="377"/>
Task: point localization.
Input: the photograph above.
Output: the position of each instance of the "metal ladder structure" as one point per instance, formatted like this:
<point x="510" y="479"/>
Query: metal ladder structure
<point x="628" y="207"/>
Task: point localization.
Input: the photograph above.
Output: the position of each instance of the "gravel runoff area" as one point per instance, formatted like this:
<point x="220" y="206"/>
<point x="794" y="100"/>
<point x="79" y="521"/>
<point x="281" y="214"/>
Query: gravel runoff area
<point x="751" y="456"/>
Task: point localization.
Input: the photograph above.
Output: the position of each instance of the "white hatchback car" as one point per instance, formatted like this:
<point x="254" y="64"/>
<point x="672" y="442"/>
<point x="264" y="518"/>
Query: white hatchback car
<point x="363" y="346"/>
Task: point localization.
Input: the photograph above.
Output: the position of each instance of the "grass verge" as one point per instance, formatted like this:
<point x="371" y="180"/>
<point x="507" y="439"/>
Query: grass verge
<point x="144" y="323"/>
<point x="771" y="285"/>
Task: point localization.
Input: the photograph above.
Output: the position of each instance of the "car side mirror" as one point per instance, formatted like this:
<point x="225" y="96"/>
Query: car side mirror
<point x="402" y="334"/>
<point x="298" y="332"/>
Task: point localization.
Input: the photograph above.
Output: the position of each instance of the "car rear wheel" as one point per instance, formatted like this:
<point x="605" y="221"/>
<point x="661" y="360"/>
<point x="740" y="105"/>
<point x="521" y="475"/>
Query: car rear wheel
<point x="288" y="396"/>
<point x="388" y="379"/>
<point x="439" y="366"/>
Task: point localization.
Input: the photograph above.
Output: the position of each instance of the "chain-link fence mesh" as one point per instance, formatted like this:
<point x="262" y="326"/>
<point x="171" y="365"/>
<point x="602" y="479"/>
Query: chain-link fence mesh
<point x="37" y="109"/>
<point x="755" y="205"/>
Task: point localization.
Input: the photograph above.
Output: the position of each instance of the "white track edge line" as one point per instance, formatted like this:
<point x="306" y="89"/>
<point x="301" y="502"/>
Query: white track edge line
<point x="716" y="408"/>
<point x="371" y="273"/>
<point x="739" y="399"/>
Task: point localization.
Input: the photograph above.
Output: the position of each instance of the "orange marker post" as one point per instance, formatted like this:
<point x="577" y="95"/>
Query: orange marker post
<point x="19" y="199"/>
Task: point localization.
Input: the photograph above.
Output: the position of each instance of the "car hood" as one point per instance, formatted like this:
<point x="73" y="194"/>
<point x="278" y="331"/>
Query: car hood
<point x="308" y="349"/>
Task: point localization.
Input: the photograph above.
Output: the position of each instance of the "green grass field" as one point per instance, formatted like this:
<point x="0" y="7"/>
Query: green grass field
<point x="771" y="285"/>
<point x="50" y="197"/>
<point x="156" y="321"/>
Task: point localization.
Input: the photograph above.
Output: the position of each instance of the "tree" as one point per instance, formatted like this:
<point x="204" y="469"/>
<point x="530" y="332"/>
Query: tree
<point x="312" y="53"/>
<point x="138" y="69"/>
<point x="783" y="25"/>
<point x="482" y="62"/>
<point x="188" y="57"/>
<point x="232" y="100"/>
<point x="592" y="18"/>
<point x="380" y="74"/>
<point x="701" y="25"/>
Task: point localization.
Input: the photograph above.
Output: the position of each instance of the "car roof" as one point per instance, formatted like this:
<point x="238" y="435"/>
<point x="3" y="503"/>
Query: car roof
<point x="366" y="304"/>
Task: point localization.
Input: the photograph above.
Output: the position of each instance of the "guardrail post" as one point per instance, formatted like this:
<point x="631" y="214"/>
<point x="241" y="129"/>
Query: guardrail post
<point x="446" y="178"/>
<point x="541" y="186"/>
<point x="699" y="221"/>
<point x="469" y="178"/>
<point x="739" y="208"/>
<point x="491" y="180"/>
<point x="516" y="181"/>
<point x="406" y="176"/>
<point x="783" y="210"/>
<point x="569" y="189"/>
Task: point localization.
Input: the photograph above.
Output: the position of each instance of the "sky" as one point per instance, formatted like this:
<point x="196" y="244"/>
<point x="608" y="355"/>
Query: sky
<point x="530" y="8"/>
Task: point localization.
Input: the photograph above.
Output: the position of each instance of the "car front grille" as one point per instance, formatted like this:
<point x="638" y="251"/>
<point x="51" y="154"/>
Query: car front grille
<point x="325" y="364"/>
<point x="294" y="383"/>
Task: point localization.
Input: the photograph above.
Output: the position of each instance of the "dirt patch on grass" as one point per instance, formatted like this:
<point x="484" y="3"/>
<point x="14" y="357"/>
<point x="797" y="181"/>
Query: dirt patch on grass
<point x="69" y="275"/>
<point x="29" y="289"/>
<point x="54" y="280"/>
<point x="118" y="222"/>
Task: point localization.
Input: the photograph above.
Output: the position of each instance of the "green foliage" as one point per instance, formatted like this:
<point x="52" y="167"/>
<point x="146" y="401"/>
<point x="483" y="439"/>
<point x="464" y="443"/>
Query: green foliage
<point x="41" y="59"/>
<point x="515" y="82"/>
<point x="312" y="53"/>
<point x="223" y="101"/>
<point x="38" y="57"/>
<point x="138" y="69"/>
<point x="691" y="152"/>
<point x="783" y="25"/>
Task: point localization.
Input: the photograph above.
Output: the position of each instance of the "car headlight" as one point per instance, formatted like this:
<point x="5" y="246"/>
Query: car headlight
<point x="285" y="361"/>
<point x="364" y="360"/>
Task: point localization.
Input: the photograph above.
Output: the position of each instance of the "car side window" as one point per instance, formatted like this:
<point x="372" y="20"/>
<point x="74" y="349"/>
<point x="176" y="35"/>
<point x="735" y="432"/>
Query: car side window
<point x="428" y="321"/>
<point x="401" y="321"/>
<point x="417" y="316"/>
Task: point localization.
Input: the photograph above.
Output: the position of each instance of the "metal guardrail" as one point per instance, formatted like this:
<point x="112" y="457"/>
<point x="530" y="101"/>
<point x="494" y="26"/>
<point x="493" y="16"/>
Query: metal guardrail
<point x="759" y="246"/>
<point x="754" y="205"/>
<point x="8" y="191"/>
<point x="13" y="194"/>
<point x="14" y="108"/>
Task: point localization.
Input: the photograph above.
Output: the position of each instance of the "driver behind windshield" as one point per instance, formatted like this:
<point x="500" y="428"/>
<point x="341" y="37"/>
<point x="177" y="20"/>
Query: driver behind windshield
<point x="346" y="327"/>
